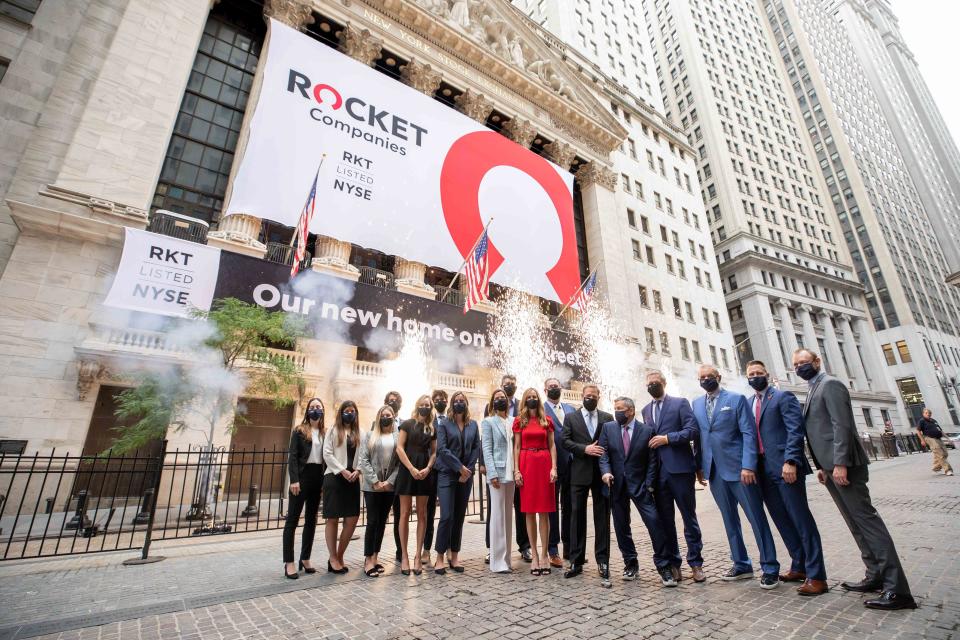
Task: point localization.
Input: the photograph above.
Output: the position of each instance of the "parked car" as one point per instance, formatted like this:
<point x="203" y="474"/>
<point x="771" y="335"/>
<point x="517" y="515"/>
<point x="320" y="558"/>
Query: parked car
<point x="951" y="440"/>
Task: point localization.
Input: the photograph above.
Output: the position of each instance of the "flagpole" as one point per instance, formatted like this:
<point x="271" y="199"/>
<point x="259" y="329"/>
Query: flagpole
<point x="580" y="288"/>
<point x="296" y="232"/>
<point x="464" y="263"/>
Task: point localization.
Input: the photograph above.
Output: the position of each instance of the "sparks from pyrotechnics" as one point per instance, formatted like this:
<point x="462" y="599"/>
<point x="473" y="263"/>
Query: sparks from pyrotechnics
<point x="519" y="338"/>
<point x="614" y="363"/>
<point x="410" y="373"/>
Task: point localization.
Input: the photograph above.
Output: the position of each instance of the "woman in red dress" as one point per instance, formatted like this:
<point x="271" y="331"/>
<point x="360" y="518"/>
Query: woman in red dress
<point x="535" y="472"/>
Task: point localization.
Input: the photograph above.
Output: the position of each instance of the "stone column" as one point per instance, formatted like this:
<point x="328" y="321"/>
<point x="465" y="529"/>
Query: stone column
<point x="421" y="77"/>
<point x="873" y="360"/>
<point x="333" y="257"/>
<point x="809" y="332"/>
<point x="485" y="306"/>
<point x="833" y="347"/>
<point x="474" y="105"/>
<point x="853" y="358"/>
<point x="763" y="337"/>
<point x="360" y="45"/>
<point x="409" y="278"/>
<point x="294" y="13"/>
<point x="239" y="232"/>
<point x="520" y="131"/>
<point x="561" y="153"/>
<point x="787" y="330"/>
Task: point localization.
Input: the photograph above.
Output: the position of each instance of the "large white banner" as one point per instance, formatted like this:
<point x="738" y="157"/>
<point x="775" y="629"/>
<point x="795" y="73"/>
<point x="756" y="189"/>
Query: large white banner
<point x="160" y="274"/>
<point x="403" y="173"/>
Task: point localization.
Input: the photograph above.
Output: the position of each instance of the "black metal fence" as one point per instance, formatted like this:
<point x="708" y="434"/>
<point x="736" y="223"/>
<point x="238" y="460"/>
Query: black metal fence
<point x="891" y="445"/>
<point x="59" y="504"/>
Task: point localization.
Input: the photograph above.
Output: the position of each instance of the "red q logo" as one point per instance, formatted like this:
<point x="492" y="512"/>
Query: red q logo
<point x="467" y="162"/>
<point x="337" y="99"/>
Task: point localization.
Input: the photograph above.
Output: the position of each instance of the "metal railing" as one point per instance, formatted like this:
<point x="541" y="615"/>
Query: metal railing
<point x="178" y="225"/>
<point x="282" y="253"/>
<point x="377" y="277"/>
<point x="60" y="504"/>
<point x="449" y="296"/>
<point x="892" y="445"/>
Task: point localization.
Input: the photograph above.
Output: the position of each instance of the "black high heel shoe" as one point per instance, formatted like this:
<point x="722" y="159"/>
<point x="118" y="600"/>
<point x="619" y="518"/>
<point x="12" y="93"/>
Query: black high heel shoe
<point x="290" y="576"/>
<point x="307" y="569"/>
<point x="330" y="569"/>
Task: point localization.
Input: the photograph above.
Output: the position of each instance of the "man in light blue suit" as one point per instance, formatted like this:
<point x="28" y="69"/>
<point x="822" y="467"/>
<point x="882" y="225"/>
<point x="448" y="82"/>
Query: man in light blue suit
<point x="782" y="474"/>
<point x="559" y="519"/>
<point x="728" y="452"/>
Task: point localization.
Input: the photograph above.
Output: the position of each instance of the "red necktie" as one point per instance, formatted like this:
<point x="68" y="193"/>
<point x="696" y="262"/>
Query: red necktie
<point x="756" y="406"/>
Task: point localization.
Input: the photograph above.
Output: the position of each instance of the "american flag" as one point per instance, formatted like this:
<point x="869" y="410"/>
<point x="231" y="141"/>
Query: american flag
<point x="477" y="274"/>
<point x="586" y="292"/>
<point x="303" y="226"/>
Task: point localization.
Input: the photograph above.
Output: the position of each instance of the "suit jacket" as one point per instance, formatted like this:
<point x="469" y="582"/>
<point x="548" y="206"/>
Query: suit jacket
<point x="574" y="439"/>
<point x="452" y="452"/>
<point x="563" y="456"/>
<point x="511" y="414"/>
<point x="496" y="437"/>
<point x="781" y="430"/>
<point x="369" y="462"/>
<point x="634" y="471"/>
<point x="675" y="421"/>
<point x="334" y="455"/>
<point x="831" y="431"/>
<point x="729" y="441"/>
<point x="300" y="448"/>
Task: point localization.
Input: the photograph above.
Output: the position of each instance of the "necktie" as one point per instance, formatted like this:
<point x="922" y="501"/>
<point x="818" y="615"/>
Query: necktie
<point x="656" y="412"/>
<point x="756" y="407"/>
<point x="710" y="400"/>
<point x="592" y="429"/>
<point x="626" y="439"/>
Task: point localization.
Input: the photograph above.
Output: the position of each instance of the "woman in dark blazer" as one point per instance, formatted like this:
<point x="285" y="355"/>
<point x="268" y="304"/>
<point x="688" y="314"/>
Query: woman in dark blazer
<point x="305" y="469"/>
<point x="458" y="447"/>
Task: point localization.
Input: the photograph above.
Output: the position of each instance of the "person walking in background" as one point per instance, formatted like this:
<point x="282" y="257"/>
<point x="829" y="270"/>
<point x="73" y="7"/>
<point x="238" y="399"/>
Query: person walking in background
<point x="377" y="462"/>
<point x="458" y="448"/>
<point x="305" y="470"/>
<point x="535" y="472"/>
<point x="496" y="440"/>
<point x="581" y="431"/>
<point x="417" y="451"/>
<point x="341" y="486"/>
<point x="842" y="466"/>
<point x="676" y="435"/>
<point x="728" y="441"/>
<point x="931" y="433"/>
<point x="560" y="518"/>
<point x="782" y="471"/>
<point x="629" y="468"/>
<point x="439" y="399"/>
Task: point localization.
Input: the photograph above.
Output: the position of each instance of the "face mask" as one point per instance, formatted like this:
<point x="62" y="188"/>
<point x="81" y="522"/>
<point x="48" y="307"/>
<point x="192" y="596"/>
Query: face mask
<point x="423" y="411"/>
<point x="759" y="383"/>
<point x="554" y="394"/>
<point x="440" y="406"/>
<point x="314" y="414"/>
<point x="393" y="404"/>
<point x="621" y="417"/>
<point x="510" y="389"/>
<point x="590" y="404"/>
<point x="655" y="389"/>
<point x="710" y="384"/>
<point x="349" y="418"/>
<point x="501" y="404"/>
<point x="532" y="403"/>
<point x="806" y="371"/>
<point x="385" y="421"/>
<point x="459" y="407"/>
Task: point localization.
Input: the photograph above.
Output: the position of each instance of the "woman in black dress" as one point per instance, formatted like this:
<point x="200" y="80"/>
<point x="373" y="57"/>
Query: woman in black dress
<point x="417" y="450"/>
<point x="341" y="483"/>
<point x="305" y="469"/>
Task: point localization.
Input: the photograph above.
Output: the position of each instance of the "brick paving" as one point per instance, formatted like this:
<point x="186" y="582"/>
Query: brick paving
<point x="233" y="588"/>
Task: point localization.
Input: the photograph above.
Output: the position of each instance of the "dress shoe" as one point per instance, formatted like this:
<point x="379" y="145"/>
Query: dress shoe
<point x="487" y="559"/>
<point x="630" y="572"/>
<point x="891" y="601"/>
<point x="603" y="569"/>
<point x="526" y="555"/>
<point x="573" y="571"/>
<point x="864" y="586"/>
<point x="698" y="574"/>
<point x="792" y="576"/>
<point x="307" y="569"/>
<point x="737" y="574"/>
<point x="556" y="562"/>
<point x="812" y="587"/>
<point x="290" y="576"/>
<point x="677" y="575"/>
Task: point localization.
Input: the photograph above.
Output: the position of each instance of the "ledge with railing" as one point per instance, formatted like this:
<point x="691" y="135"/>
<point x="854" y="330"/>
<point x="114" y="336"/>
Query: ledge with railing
<point x="377" y="278"/>
<point x="282" y="253"/>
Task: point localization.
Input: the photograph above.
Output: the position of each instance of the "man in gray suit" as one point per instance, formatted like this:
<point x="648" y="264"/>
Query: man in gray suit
<point x="842" y="466"/>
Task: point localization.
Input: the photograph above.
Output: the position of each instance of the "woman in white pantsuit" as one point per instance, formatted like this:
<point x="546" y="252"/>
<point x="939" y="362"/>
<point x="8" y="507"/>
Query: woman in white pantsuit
<point x="496" y="439"/>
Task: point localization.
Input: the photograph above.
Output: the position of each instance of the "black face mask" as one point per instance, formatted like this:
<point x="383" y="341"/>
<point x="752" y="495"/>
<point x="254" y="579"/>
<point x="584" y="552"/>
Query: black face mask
<point x="385" y="421"/>
<point x="393" y="404"/>
<point x="710" y="384"/>
<point x="807" y="371"/>
<point x="590" y="404"/>
<point x="553" y="394"/>
<point x="349" y="418"/>
<point x="315" y="414"/>
<point x="501" y="404"/>
<point x="532" y="403"/>
<point x="759" y="383"/>
<point x="424" y="411"/>
<point x="510" y="389"/>
<point x="440" y="406"/>
<point x="459" y="407"/>
<point x="655" y="389"/>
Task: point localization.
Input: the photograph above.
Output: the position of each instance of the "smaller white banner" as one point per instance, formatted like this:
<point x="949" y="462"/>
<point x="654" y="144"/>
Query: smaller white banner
<point x="164" y="275"/>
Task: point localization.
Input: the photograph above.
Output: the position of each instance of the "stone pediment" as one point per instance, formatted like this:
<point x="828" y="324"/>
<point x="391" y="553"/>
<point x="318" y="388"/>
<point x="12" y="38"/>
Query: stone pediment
<point x="497" y="38"/>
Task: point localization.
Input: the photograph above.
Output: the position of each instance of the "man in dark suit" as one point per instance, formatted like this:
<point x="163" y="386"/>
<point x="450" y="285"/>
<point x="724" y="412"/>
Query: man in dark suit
<point x="842" y="466"/>
<point x="581" y="431"/>
<point x="560" y="518"/>
<point x="782" y="471"/>
<point x="629" y="469"/>
<point x="676" y="433"/>
<point x="728" y="443"/>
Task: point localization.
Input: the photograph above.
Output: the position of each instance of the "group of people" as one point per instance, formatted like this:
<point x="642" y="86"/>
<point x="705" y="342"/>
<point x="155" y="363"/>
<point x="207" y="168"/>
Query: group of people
<point x="542" y="458"/>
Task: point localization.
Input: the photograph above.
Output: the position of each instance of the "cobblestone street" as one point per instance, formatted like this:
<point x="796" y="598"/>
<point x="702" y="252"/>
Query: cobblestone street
<point x="233" y="588"/>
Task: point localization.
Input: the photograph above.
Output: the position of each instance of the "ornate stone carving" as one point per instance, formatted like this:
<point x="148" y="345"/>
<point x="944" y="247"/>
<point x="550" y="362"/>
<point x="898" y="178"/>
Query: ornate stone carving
<point x="410" y="276"/>
<point x="87" y="373"/>
<point x="520" y="131"/>
<point x="436" y="7"/>
<point x="421" y="77"/>
<point x="596" y="174"/>
<point x="474" y="105"/>
<point x="239" y="232"/>
<point x="360" y="45"/>
<point x="560" y="152"/>
<point x="294" y="13"/>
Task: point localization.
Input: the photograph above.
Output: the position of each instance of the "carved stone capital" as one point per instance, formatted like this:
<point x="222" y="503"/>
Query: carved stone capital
<point x="294" y="13"/>
<point x="87" y="373"/>
<point x="474" y="105"/>
<point x="360" y="45"/>
<point x="421" y="77"/>
<point x="520" y="131"/>
<point x="561" y="153"/>
<point x="596" y="174"/>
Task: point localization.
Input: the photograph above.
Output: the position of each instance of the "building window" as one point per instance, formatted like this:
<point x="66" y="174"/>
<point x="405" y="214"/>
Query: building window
<point x="657" y="302"/>
<point x="888" y="354"/>
<point x="4" y="64"/>
<point x="650" y="338"/>
<point x="637" y="255"/>
<point x="684" y="349"/>
<point x="677" y="308"/>
<point x="696" y="351"/>
<point x="20" y="10"/>
<point x="631" y="218"/>
<point x="644" y="300"/>
<point x="664" y="343"/>
<point x="904" y="351"/>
